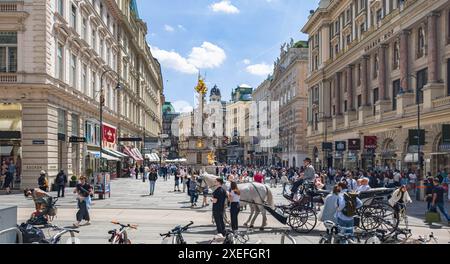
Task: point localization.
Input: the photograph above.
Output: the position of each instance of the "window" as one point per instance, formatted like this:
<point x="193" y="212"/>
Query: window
<point x="396" y="56"/>
<point x="101" y="48"/>
<point x="8" y="51"/>
<point x="94" y="84"/>
<point x="101" y="11"/>
<point x="334" y="110"/>
<point x="73" y="18"/>
<point x="362" y="4"/>
<point x="375" y="66"/>
<point x="108" y="21"/>
<point x="84" y="28"/>
<point x="379" y="15"/>
<point x="448" y="77"/>
<point x="73" y="71"/>
<point x="60" y="62"/>
<point x="420" y="42"/>
<point x="94" y="40"/>
<point x="84" y="82"/>
<point x="359" y="74"/>
<point x="336" y="49"/>
<point x="395" y="90"/>
<point x="362" y="28"/>
<point x="349" y="39"/>
<point x="375" y="100"/>
<point x="348" y="15"/>
<point x="61" y="121"/>
<point x="422" y="80"/>
<point x="359" y="100"/>
<point x="75" y="125"/>
<point x="61" y="7"/>
<point x="345" y="106"/>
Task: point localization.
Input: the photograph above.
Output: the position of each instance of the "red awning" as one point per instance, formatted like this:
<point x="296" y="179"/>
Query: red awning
<point x="133" y="153"/>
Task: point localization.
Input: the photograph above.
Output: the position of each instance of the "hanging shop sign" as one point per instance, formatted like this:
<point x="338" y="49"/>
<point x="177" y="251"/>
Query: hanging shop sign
<point x="341" y="146"/>
<point x="413" y="137"/>
<point x="327" y="146"/>
<point x="354" y="144"/>
<point x="370" y="142"/>
<point x="77" y="140"/>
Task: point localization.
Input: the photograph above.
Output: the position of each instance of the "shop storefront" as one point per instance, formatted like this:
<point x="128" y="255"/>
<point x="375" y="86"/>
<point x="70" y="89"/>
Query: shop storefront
<point x="11" y="140"/>
<point x="441" y="159"/>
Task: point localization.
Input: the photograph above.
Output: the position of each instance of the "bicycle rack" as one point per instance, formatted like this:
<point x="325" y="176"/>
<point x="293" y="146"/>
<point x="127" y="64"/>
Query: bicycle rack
<point x="14" y="229"/>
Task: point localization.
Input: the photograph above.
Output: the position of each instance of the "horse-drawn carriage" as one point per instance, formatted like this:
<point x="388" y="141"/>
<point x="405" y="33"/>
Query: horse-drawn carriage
<point x="300" y="214"/>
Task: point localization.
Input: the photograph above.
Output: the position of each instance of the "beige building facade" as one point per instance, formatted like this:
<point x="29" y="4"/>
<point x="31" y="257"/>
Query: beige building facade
<point x="372" y="62"/>
<point x="53" y="56"/>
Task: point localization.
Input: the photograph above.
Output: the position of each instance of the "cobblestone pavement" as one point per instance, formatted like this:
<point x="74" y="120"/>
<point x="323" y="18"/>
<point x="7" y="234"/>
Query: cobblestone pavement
<point x="130" y="203"/>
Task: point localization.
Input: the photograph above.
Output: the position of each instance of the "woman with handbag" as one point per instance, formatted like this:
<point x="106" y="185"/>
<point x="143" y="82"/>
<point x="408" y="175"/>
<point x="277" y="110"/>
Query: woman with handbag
<point x="84" y="191"/>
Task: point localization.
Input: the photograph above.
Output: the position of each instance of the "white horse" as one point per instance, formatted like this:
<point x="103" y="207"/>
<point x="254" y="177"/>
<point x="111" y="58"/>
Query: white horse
<point x="254" y="194"/>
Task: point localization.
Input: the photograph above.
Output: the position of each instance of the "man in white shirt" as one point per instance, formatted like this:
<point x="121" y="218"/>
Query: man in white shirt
<point x="412" y="180"/>
<point x="351" y="183"/>
<point x="397" y="177"/>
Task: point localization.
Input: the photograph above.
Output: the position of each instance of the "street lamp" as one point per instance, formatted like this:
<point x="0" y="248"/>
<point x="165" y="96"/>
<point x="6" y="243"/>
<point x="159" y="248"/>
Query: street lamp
<point x="102" y="103"/>
<point x="419" y="160"/>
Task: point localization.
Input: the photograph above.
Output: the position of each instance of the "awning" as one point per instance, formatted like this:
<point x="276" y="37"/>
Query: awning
<point x="138" y="154"/>
<point x="152" y="157"/>
<point x="96" y="155"/>
<point x="114" y="153"/>
<point x="411" y="158"/>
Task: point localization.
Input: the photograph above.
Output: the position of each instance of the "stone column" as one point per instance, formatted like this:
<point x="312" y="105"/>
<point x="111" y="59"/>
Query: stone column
<point x="382" y="72"/>
<point x="404" y="59"/>
<point x="337" y="92"/>
<point x="433" y="60"/>
<point x="350" y="99"/>
<point x="364" y="81"/>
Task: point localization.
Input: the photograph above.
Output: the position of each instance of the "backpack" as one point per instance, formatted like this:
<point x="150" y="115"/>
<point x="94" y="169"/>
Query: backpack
<point x="350" y="204"/>
<point x="31" y="234"/>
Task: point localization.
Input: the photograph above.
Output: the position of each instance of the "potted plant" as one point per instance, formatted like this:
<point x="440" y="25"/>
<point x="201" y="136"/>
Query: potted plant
<point x="73" y="181"/>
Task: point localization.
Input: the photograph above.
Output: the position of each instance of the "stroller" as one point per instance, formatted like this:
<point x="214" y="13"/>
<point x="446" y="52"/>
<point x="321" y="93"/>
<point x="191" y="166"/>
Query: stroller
<point x="46" y="213"/>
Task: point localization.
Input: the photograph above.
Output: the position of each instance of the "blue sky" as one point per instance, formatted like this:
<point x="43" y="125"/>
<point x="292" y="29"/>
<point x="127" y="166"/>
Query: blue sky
<point x="233" y="41"/>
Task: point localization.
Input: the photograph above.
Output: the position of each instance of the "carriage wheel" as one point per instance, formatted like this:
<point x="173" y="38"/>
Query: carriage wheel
<point x="302" y="219"/>
<point x="380" y="216"/>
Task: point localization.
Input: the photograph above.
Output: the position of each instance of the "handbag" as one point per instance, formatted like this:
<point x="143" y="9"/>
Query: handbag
<point x="432" y="217"/>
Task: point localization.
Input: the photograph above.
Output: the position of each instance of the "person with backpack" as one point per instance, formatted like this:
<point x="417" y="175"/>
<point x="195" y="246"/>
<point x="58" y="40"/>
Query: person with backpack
<point x="177" y="181"/>
<point x="61" y="181"/>
<point x="193" y="190"/>
<point x="347" y="205"/>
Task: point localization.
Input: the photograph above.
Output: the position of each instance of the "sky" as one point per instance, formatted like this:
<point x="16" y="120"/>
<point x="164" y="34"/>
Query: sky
<point x="230" y="42"/>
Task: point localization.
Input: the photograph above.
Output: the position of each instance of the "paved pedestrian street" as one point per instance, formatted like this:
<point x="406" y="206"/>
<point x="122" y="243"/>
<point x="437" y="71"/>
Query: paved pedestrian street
<point x="130" y="204"/>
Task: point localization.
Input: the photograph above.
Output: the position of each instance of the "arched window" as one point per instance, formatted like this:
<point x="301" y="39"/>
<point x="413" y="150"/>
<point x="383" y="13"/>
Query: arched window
<point x="420" y="42"/>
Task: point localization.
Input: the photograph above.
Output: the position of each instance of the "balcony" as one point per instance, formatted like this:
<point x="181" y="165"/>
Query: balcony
<point x="8" y="6"/>
<point x="8" y="78"/>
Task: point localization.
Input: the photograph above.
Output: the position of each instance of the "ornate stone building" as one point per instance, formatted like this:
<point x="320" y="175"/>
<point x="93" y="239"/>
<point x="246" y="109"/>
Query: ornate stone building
<point x="54" y="56"/>
<point x="372" y="62"/>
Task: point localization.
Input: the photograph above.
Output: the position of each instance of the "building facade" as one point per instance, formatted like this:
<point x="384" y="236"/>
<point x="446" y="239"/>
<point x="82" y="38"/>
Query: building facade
<point x="55" y="58"/>
<point x="169" y="116"/>
<point x="262" y="98"/>
<point x="373" y="63"/>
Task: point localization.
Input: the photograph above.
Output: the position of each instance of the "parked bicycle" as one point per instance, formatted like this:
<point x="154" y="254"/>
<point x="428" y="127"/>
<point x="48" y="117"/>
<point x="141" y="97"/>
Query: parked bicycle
<point x="334" y="235"/>
<point x="176" y="234"/>
<point x="120" y="236"/>
<point x="34" y="235"/>
<point x="401" y="236"/>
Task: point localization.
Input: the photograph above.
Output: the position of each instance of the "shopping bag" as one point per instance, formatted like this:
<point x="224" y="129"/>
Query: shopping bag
<point x="432" y="217"/>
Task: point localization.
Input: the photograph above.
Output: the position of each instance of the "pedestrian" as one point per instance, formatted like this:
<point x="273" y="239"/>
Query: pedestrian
<point x="84" y="191"/>
<point x="284" y="181"/>
<point x="132" y="172"/>
<point x="412" y="181"/>
<point x="347" y="205"/>
<point x="193" y="190"/>
<point x="61" y="181"/>
<point x="184" y="179"/>
<point x="351" y="183"/>
<point x="234" y="197"/>
<point x="9" y="176"/>
<point x="43" y="182"/>
<point x="363" y="185"/>
<point x="142" y="172"/>
<point x="330" y="206"/>
<point x="429" y="192"/>
<point x="136" y="171"/>
<point x="218" y="200"/>
<point x="438" y="199"/>
<point x="205" y="196"/>
<point x="397" y="177"/>
<point x="177" y="181"/>
<point x="152" y="177"/>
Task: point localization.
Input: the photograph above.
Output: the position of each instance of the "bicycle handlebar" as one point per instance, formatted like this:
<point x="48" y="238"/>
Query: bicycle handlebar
<point x="177" y="230"/>
<point x="127" y="225"/>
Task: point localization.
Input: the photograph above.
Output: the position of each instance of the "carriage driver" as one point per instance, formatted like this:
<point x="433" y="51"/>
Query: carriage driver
<point x="307" y="175"/>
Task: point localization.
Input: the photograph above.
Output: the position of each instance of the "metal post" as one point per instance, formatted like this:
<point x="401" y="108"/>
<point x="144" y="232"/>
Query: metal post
<point x="419" y="176"/>
<point x="101" y="118"/>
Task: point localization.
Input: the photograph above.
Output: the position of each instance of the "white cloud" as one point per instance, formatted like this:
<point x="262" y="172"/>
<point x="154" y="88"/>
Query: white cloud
<point x="246" y="61"/>
<point x="182" y="107"/>
<point x="224" y="6"/>
<point x="261" y="69"/>
<point x="207" y="56"/>
<point x="173" y="60"/>
<point x="169" y="28"/>
<point x="181" y="27"/>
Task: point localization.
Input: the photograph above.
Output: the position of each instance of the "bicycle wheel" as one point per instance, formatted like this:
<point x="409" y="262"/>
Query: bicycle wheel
<point x="302" y="219"/>
<point x="373" y="240"/>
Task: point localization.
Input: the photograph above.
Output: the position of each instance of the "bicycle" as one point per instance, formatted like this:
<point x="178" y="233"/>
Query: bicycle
<point x="120" y="237"/>
<point x="334" y="235"/>
<point x="62" y="231"/>
<point x="36" y="235"/>
<point x="176" y="234"/>
<point x="380" y="237"/>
